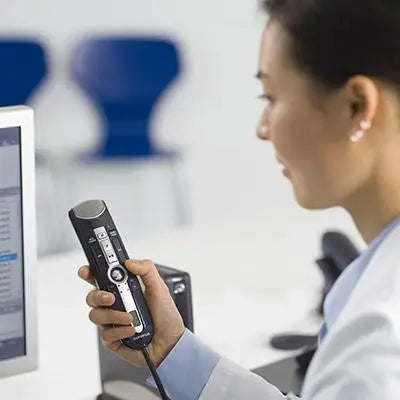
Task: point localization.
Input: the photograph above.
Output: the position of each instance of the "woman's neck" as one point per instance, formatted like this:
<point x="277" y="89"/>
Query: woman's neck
<point x="374" y="207"/>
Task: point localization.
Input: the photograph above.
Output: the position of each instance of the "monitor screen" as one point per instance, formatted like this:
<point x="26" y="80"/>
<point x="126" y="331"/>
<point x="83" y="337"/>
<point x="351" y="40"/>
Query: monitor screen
<point x="12" y="313"/>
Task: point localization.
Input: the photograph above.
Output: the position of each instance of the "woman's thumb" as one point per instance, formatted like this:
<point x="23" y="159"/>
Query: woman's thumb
<point x="146" y="270"/>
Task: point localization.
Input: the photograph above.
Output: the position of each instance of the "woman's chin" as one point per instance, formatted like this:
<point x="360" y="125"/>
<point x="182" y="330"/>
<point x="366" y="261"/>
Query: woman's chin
<point x="309" y="201"/>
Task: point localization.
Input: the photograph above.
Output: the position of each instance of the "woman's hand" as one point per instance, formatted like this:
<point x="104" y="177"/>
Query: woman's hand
<point x="168" y="324"/>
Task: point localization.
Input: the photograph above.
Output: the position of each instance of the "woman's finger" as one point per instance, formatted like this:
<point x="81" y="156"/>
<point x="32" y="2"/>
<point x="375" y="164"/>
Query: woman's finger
<point x="117" y="333"/>
<point x="100" y="298"/>
<point x="85" y="273"/>
<point x="147" y="271"/>
<point x="103" y="316"/>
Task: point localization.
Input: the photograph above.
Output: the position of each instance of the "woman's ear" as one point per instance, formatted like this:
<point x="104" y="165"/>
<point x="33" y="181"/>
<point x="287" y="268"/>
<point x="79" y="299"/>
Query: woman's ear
<point x="363" y="97"/>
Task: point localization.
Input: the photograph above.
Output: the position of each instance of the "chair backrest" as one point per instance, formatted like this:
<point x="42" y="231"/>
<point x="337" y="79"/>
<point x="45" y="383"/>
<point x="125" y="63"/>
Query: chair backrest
<point x="124" y="77"/>
<point x="22" y="67"/>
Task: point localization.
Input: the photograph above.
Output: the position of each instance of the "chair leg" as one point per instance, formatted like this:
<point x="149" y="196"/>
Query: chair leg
<point x="46" y="209"/>
<point x="64" y="177"/>
<point x="180" y="192"/>
<point x="51" y="205"/>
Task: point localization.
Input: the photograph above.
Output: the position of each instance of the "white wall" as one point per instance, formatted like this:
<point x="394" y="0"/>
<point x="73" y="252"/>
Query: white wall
<point x="211" y="113"/>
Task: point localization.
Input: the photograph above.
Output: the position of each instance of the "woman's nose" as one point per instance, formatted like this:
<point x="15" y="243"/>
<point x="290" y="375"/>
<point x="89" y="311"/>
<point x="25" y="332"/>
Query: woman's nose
<point x="263" y="131"/>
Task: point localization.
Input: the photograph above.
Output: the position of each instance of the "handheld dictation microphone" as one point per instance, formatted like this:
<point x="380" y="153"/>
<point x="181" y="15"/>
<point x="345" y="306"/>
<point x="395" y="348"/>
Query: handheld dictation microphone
<point x="106" y="255"/>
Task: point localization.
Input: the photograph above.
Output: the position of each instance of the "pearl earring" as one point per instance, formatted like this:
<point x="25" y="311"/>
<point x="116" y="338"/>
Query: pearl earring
<point x="365" y="125"/>
<point x="357" y="136"/>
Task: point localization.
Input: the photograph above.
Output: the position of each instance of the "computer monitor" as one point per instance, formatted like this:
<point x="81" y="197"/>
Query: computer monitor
<point x="18" y="325"/>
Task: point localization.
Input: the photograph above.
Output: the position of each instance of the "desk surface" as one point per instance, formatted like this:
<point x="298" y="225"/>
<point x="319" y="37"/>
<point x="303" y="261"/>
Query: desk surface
<point x="240" y="271"/>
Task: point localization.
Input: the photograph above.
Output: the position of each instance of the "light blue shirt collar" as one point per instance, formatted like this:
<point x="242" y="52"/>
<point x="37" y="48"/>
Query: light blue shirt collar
<point x="344" y="285"/>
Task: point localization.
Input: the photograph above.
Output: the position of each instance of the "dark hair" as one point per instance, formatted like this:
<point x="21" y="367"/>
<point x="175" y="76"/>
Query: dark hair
<point x="334" y="40"/>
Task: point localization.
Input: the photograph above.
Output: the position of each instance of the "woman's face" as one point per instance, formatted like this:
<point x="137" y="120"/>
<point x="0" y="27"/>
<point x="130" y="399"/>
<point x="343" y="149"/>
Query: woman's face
<point x="309" y="129"/>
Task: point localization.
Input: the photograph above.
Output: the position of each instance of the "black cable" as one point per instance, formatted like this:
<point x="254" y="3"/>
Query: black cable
<point x="153" y="371"/>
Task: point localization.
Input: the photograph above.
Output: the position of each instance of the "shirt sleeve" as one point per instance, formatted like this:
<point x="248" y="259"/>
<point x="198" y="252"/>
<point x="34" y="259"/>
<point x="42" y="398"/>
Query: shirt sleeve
<point x="187" y="368"/>
<point x="230" y="381"/>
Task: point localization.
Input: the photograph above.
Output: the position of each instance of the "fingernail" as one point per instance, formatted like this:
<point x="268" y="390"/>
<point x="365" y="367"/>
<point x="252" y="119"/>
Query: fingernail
<point x="106" y="298"/>
<point x="129" y="318"/>
<point x="131" y="330"/>
<point x="135" y="263"/>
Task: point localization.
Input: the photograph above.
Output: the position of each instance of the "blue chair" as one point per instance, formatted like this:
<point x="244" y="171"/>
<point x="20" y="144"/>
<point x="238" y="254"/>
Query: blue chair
<point x="124" y="77"/>
<point x="22" y="68"/>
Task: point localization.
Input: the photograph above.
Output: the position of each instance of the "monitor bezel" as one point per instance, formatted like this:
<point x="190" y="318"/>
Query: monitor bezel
<point x="22" y="117"/>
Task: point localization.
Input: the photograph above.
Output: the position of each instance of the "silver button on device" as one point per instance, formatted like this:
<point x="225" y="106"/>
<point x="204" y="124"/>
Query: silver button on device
<point x="179" y="288"/>
<point x="102" y="235"/>
<point x="106" y="245"/>
<point x="117" y="275"/>
<point x="136" y="320"/>
<point x="111" y="257"/>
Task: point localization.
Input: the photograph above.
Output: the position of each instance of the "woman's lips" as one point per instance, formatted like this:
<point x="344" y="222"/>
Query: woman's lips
<point x="285" y="172"/>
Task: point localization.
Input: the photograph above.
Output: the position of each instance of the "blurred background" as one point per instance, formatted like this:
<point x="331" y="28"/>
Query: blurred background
<point x="204" y="162"/>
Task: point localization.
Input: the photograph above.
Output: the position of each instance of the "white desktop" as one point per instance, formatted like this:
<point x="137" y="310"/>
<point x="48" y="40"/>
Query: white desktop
<point x="18" y="317"/>
<point x="68" y="354"/>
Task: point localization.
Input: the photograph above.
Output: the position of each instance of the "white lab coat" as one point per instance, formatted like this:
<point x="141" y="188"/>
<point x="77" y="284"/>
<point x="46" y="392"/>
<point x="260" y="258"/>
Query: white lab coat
<point x="359" y="359"/>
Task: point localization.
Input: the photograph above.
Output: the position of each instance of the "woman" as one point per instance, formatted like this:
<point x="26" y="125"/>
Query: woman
<point x="330" y="70"/>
